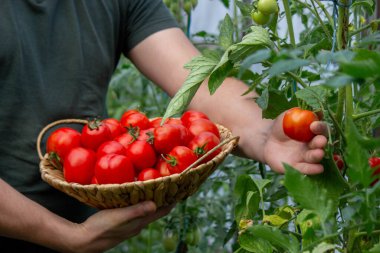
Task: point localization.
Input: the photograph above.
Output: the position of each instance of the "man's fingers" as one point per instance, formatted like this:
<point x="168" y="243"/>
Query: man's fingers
<point x="319" y="128"/>
<point x="318" y="142"/>
<point x="309" y="169"/>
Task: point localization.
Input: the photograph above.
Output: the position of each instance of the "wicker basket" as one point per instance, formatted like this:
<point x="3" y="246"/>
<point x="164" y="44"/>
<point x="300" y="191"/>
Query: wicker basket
<point x="163" y="191"/>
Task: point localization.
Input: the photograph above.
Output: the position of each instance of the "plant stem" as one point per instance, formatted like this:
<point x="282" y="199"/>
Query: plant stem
<point x="365" y="114"/>
<point x="343" y="22"/>
<point x="290" y="22"/>
<point x="236" y="22"/>
<point x="324" y="28"/>
<point x="340" y="108"/>
<point x="369" y="25"/>
<point x="349" y="102"/>
<point x="297" y="78"/>
<point x="327" y="14"/>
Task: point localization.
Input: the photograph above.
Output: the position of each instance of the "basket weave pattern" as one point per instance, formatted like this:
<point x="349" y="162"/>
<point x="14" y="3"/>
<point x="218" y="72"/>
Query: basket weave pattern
<point x="163" y="191"/>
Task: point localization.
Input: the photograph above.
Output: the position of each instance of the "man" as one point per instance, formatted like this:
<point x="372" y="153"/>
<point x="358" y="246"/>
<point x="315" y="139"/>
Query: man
<point x="56" y="60"/>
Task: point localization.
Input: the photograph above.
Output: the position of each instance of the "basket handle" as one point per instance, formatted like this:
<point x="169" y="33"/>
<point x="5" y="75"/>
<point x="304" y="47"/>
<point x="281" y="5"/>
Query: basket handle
<point x="55" y="123"/>
<point x="199" y="161"/>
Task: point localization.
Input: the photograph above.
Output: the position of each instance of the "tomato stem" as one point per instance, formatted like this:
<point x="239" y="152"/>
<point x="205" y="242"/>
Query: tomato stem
<point x="365" y="114"/>
<point x="290" y="22"/>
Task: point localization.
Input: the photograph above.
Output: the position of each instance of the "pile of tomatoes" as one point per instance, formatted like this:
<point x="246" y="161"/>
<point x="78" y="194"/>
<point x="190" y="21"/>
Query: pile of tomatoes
<point x="134" y="147"/>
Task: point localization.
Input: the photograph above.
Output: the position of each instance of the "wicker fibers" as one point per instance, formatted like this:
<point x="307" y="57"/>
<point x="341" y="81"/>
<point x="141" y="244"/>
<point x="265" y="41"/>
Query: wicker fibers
<point x="163" y="191"/>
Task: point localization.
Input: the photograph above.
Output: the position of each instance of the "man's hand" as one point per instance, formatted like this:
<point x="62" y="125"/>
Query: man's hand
<point x="305" y="157"/>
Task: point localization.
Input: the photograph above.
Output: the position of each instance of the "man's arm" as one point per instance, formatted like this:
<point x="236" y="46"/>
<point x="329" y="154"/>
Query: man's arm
<point x="23" y="219"/>
<point x="161" y="58"/>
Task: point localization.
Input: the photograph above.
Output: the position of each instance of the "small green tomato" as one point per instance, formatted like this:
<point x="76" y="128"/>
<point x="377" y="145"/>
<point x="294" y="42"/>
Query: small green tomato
<point x="267" y="6"/>
<point x="259" y="18"/>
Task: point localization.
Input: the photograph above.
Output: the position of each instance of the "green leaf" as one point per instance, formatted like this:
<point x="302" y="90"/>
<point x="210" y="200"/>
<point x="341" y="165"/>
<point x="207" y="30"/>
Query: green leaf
<point x="365" y="64"/>
<point x="310" y="226"/>
<point x="367" y="5"/>
<point x="323" y="247"/>
<point x="247" y="194"/>
<point x="257" y="39"/>
<point x="270" y="234"/>
<point x="286" y="66"/>
<point x="226" y="33"/>
<point x="200" y="68"/>
<point x="356" y="157"/>
<point x="257" y="57"/>
<point x="314" y="96"/>
<point x="338" y="81"/>
<point x="273" y="103"/>
<point x="255" y="245"/>
<point x="374" y="249"/>
<point x="281" y="216"/>
<point x="226" y="3"/>
<point x="245" y="8"/>
<point x="317" y="193"/>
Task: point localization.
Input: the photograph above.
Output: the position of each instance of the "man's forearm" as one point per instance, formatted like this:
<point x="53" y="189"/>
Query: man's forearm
<point x="23" y="219"/>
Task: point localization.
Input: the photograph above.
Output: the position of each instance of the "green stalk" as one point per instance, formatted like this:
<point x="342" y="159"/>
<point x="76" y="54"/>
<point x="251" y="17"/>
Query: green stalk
<point x="324" y="28"/>
<point x="343" y="21"/>
<point x="290" y="22"/>
<point x="365" y="114"/>
<point x="236" y="22"/>
<point x="341" y="101"/>
<point x="349" y="102"/>
<point x="327" y="14"/>
<point x="363" y="28"/>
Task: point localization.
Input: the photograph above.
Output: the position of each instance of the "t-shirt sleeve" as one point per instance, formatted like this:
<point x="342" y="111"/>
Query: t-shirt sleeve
<point x="145" y="17"/>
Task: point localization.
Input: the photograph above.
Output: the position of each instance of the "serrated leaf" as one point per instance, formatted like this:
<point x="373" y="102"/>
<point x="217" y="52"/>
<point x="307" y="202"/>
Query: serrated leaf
<point x="200" y="68"/>
<point x="281" y="216"/>
<point x="338" y="81"/>
<point x="274" y="236"/>
<point x="226" y="3"/>
<point x="374" y="249"/>
<point x="365" y="64"/>
<point x="317" y="193"/>
<point x="356" y="157"/>
<point x="314" y="96"/>
<point x="257" y="39"/>
<point x="287" y="65"/>
<point x="226" y="32"/>
<point x="245" y="8"/>
<point x="255" y="245"/>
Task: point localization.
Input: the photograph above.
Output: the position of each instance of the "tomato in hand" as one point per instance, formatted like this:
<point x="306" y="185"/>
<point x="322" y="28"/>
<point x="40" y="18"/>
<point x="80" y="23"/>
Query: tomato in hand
<point x="296" y="124"/>
<point x="142" y="154"/>
<point x="179" y="158"/>
<point x="198" y="126"/>
<point x="203" y="143"/>
<point x="147" y="174"/>
<point x="267" y="6"/>
<point x="166" y="137"/>
<point x="62" y="140"/>
<point x="110" y="147"/>
<point x="191" y="115"/>
<point x="79" y="165"/>
<point x="114" y="126"/>
<point x="114" y="169"/>
<point x="94" y="133"/>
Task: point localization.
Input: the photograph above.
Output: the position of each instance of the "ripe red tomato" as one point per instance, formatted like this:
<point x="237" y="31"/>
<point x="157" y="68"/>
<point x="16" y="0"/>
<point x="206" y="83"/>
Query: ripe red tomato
<point x="110" y="147"/>
<point x="204" y="142"/>
<point x="186" y="136"/>
<point x="94" y="180"/>
<point x="191" y="115"/>
<point x="338" y="161"/>
<point x="114" y="169"/>
<point x="94" y="133"/>
<point x="179" y="158"/>
<point x="156" y="122"/>
<point x="198" y="126"/>
<point x="147" y="174"/>
<point x="166" y="137"/>
<point x="135" y="119"/>
<point x="114" y="126"/>
<point x="142" y="154"/>
<point x="374" y="163"/>
<point x="146" y="135"/>
<point x="296" y="124"/>
<point x="62" y="140"/>
<point x="162" y="167"/>
<point x="125" y="139"/>
<point x="79" y="165"/>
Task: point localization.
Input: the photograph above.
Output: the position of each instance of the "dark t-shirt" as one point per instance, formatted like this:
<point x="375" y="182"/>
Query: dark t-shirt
<point x="56" y="60"/>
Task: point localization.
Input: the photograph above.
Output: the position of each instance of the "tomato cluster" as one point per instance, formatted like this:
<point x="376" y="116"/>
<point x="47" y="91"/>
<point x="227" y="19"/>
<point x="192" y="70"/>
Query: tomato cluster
<point x="112" y="151"/>
<point x="263" y="11"/>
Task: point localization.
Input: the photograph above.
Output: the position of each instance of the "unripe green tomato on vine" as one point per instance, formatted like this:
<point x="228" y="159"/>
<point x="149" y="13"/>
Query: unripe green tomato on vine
<point x="259" y="18"/>
<point x="187" y="7"/>
<point x="267" y="6"/>
<point x="170" y="242"/>
<point x="194" y="3"/>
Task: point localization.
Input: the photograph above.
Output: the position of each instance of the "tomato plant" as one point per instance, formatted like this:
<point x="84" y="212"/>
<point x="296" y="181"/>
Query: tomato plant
<point x="79" y="165"/>
<point x="296" y="124"/>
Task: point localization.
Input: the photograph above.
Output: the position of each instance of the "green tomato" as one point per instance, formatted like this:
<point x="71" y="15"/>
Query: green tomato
<point x="259" y="18"/>
<point x="193" y="236"/>
<point x="170" y="242"/>
<point x="267" y="6"/>
<point x="187" y="7"/>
